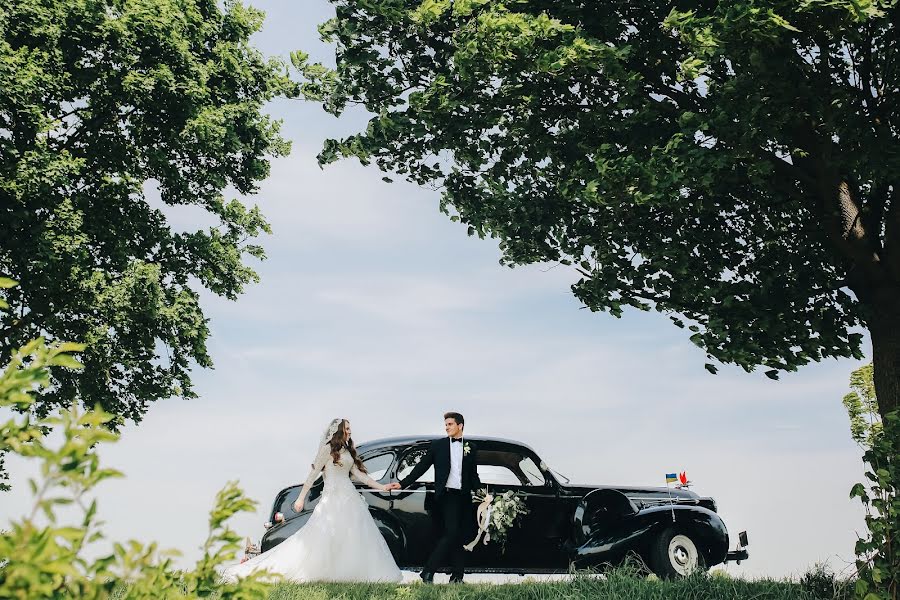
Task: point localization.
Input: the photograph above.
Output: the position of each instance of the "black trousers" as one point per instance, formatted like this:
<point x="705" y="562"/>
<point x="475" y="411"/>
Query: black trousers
<point x="451" y="512"/>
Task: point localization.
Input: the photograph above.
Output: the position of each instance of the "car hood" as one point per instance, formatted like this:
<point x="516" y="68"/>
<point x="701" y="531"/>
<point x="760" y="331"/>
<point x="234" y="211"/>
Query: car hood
<point x="635" y="493"/>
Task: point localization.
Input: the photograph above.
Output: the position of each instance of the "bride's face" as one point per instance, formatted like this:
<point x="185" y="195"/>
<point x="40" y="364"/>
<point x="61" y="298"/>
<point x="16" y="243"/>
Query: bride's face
<point x="346" y="431"/>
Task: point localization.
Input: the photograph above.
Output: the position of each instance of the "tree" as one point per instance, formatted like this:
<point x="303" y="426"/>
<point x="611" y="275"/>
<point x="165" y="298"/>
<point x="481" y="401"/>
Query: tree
<point x="731" y="164"/>
<point x="877" y="554"/>
<point x="101" y="103"/>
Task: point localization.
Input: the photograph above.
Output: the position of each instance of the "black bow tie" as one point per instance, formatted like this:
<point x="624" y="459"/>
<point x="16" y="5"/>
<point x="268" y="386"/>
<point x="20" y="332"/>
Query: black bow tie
<point x="456" y="440"/>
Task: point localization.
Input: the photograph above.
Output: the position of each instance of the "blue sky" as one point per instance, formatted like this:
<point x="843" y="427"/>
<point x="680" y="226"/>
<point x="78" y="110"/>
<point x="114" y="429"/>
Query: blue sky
<point x="375" y="307"/>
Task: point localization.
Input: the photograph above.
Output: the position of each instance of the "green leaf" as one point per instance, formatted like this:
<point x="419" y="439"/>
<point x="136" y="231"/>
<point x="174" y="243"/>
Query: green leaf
<point x="673" y="191"/>
<point x="71" y="347"/>
<point x="167" y="82"/>
<point x="64" y="360"/>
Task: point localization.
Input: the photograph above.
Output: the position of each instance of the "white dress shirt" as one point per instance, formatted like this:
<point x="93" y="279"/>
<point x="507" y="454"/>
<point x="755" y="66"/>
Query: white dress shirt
<point x="454" y="479"/>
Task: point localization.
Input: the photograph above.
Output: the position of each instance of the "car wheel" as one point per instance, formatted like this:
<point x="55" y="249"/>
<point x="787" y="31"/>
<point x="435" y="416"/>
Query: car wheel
<point x="676" y="554"/>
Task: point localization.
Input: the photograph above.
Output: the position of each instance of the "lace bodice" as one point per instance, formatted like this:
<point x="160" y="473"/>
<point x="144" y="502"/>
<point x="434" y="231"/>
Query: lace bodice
<point x="334" y="473"/>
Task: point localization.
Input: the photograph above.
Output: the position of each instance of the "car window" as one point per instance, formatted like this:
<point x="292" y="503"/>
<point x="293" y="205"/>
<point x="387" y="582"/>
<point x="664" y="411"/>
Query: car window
<point x="508" y="467"/>
<point x="378" y="465"/>
<point x="410" y="460"/>
<point x="497" y="475"/>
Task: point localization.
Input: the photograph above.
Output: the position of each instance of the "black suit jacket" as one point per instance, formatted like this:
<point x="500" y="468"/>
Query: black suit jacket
<point x="439" y="455"/>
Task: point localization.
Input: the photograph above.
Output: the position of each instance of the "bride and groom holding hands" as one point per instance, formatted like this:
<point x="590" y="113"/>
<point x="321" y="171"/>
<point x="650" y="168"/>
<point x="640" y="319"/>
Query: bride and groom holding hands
<point x="341" y="542"/>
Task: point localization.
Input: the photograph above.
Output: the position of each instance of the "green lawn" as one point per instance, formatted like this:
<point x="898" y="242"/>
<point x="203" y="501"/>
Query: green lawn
<point x="613" y="587"/>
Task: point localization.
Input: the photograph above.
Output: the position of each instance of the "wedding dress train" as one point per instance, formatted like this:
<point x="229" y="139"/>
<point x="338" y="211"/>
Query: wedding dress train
<point x="340" y="541"/>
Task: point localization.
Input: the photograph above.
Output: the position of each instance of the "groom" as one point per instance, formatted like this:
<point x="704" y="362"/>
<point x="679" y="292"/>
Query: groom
<point x="455" y="477"/>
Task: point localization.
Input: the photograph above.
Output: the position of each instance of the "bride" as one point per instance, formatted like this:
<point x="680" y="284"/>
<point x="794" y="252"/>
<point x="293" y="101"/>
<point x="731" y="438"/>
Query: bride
<point x="340" y="542"/>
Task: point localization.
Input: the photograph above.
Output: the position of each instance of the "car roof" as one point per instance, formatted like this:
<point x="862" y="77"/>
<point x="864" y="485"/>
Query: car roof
<point x="410" y="440"/>
<point x="405" y="441"/>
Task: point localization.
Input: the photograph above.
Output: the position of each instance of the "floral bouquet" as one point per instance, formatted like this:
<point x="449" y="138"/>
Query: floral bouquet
<point x="496" y="514"/>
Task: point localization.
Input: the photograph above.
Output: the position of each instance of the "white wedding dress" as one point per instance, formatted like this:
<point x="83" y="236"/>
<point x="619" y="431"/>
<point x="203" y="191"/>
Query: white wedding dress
<point x="340" y="541"/>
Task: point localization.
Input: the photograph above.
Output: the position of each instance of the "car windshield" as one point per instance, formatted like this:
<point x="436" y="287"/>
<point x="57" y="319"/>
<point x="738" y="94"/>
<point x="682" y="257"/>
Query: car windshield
<point x="546" y="468"/>
<point x="560" y="475"/>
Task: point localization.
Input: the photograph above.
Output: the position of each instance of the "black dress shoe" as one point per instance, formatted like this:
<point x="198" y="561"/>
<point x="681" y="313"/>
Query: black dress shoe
<point x="456" y="579"/>
<point x="426" y="577"/>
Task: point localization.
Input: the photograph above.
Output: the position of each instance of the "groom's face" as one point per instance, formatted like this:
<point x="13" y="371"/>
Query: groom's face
<point x="452" y="428"/>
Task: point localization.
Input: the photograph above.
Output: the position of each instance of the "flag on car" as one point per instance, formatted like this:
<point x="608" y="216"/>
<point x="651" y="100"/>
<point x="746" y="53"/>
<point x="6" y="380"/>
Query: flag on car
<point x="670" y="477"/>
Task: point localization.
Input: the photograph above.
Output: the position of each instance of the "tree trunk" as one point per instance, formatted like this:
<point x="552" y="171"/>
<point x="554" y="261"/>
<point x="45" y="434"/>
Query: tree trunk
<point x="884" y="327"/>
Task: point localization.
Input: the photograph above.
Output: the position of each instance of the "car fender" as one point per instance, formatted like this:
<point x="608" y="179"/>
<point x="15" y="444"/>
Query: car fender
<point x="702" y="522"/>
<point x="611" y="537"/>
<point x="282" y="531"/>
<point x="595" y="507"/>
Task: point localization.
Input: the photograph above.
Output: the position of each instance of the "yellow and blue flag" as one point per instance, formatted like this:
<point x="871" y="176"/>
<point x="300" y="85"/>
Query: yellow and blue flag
<point x="670" y="477"/>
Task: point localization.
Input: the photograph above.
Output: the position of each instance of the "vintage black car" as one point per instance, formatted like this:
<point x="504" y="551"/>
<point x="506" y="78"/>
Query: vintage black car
<point x="567" y="527"/>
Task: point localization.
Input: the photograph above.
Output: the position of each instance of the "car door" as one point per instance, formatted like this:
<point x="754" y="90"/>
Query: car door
<point x="536" y="541"/>
<point x="413" y="508"/>
<point x="377" y="466"/>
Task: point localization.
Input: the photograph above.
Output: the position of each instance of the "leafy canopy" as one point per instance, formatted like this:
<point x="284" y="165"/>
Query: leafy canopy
<point x="103" y="103"/>
<point x="731" y="164"/>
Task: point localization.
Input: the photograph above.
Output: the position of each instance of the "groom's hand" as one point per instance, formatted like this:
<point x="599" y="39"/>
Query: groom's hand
<point x="392" y="486"/>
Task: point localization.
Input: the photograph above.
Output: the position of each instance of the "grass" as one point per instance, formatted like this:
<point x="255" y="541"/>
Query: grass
<point x="616" y="585"/>
<point x="620" y="583"/>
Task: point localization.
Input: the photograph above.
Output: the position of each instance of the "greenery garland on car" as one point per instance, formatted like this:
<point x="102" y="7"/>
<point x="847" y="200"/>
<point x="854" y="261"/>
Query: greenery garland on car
<point x="497" y="513"/>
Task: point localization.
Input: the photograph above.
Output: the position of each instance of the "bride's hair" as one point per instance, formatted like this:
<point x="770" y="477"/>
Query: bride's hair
<point x="337" y="443"/>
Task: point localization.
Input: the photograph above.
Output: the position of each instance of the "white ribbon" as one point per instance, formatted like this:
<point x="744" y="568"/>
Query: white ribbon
<point x="484" y="510"/>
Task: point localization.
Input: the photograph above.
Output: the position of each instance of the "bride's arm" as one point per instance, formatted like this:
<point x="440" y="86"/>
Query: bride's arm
<point x="319" y="464"/>
<point x="364" y="478"/>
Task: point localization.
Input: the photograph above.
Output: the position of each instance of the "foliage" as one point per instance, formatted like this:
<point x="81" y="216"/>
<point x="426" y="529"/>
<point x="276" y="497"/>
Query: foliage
<point x="506" y="510"/>
<point x="730" y="164"/>
<point x="42" y="558"/>
<point x="821" y="582"/>
<point x="616" y="584"/>
<point x="862" y="407"/>
<point x="878" y="555"/>
<point x="106" y="105"/>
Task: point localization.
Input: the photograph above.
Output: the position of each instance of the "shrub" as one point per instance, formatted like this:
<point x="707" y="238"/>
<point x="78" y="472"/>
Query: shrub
<point x="41" y="557"/>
